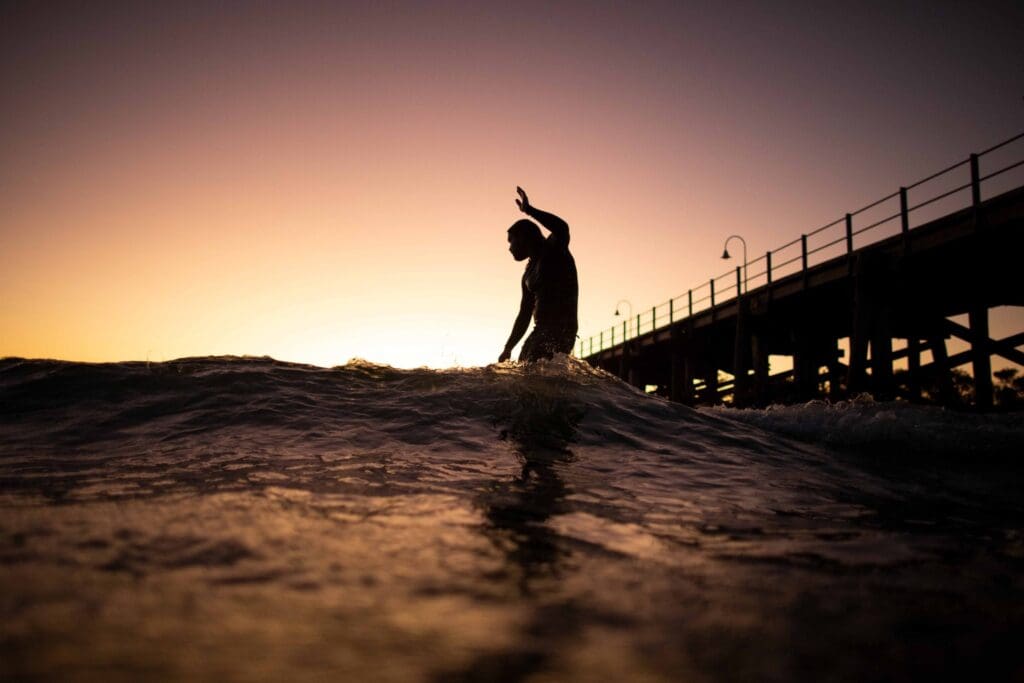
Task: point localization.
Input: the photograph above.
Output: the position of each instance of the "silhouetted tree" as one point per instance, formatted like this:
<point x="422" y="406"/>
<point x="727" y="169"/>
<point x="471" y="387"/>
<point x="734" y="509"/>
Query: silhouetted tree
<point x="1009" y="389"/>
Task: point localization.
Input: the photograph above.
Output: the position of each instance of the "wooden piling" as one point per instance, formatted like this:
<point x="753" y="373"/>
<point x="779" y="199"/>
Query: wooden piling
<point x="882" y="383"/>
<point x="981" y="362"/>
<point x="943" y="378"/>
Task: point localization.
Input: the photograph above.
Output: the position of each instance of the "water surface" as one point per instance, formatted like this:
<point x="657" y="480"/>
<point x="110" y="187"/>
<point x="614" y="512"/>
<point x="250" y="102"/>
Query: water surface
<point x="247" y="519"/>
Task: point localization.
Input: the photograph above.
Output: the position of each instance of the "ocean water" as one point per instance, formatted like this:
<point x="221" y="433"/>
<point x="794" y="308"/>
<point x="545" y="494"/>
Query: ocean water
<point x="238" y="519"/>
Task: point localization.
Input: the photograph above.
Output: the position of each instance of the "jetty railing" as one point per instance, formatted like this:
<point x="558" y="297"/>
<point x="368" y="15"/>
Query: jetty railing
<point x="953" y="188"/>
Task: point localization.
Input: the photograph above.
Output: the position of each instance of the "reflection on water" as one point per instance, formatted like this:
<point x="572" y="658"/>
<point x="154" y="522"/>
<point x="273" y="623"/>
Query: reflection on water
<point x="518" y="511"/>
<point x="253" y="520"/>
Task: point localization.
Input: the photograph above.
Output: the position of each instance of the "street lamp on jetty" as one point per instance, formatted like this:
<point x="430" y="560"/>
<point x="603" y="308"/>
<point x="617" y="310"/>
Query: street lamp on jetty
<point x="725" y="255"/>
<point x="625" y="323"/>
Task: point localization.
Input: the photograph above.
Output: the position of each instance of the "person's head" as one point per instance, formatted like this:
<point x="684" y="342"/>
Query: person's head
<point x="524" y="239"/>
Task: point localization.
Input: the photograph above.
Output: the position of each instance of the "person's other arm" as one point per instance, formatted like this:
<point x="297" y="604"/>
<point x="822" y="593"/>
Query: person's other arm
<point x="559" y="228"/>
<point x="520" y="325"/>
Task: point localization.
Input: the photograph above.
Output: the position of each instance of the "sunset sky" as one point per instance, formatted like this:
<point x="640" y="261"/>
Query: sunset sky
<point x="323" y="181"/>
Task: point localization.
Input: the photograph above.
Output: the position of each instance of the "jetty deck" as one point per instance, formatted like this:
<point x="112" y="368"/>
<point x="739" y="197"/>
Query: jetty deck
<point x="846" y="315"/>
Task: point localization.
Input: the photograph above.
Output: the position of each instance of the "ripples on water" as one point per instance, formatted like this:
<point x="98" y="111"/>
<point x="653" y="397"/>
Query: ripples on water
<point x="241" y="519"/>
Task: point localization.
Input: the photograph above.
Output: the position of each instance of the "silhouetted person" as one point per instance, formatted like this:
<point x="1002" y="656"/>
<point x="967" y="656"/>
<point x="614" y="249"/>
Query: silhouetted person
<point x="550" y="289"/>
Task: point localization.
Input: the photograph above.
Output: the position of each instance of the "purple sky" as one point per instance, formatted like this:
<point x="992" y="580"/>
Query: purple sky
<point x="255" y="177"/>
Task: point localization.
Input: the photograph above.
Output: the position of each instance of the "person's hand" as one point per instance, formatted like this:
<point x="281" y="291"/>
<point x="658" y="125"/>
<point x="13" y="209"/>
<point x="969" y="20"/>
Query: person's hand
<point x="505" y="355"/>
<point x="523" y="203"/>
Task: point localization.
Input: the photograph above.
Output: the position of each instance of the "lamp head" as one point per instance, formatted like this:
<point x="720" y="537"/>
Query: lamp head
<point x="616" y="310"/>
<point x="725" y="253"/>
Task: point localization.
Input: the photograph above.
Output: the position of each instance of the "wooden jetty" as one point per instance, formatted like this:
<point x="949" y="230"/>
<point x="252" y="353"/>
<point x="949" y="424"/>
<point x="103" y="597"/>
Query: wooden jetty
<point x="845" y="316"/>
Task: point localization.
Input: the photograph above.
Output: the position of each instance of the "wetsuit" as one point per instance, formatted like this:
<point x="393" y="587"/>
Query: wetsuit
<point x="551" y="289"/>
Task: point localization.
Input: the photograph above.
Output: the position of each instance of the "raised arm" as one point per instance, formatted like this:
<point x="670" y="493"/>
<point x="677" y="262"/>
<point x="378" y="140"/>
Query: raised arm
<point x="559" y="228"/>
<point x="520" y="325"/>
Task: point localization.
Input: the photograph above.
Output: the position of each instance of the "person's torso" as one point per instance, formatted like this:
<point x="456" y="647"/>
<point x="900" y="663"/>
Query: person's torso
<point x="551" y="279"/>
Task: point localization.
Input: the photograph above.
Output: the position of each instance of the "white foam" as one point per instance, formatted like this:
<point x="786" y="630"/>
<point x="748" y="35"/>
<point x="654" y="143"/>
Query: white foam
<point x="863" y="423"/>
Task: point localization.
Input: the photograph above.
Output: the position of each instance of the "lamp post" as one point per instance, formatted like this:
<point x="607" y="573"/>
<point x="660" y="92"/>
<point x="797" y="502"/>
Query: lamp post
<point x="725" y="255"/>
<point x="630" y="317"/>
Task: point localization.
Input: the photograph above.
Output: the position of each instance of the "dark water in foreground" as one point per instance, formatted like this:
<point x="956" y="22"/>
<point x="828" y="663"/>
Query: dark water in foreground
<point x="245" y="519"/>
